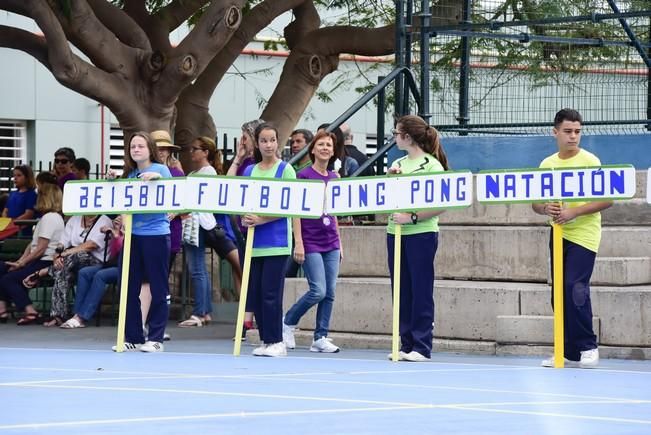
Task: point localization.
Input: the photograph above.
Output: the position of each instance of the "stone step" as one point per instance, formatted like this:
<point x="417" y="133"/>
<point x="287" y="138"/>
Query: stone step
<point x="530" y="329"/>
<point x="503" y="253"/>
<point x="381" y="341"/>
<point x="468" y="310"/>
<point x="634" y="212"/>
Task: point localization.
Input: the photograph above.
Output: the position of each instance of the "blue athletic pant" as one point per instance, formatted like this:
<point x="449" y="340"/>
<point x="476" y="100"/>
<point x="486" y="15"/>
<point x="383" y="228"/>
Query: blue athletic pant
<point x="578" y="263"/>
<point x="416" y="290"/>
<point x="265" y="296"/>
<point x="149" y="262"/>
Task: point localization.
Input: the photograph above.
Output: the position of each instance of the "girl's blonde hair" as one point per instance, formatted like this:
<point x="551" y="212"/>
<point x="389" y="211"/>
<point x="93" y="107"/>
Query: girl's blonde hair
<point x="49" y="199"/>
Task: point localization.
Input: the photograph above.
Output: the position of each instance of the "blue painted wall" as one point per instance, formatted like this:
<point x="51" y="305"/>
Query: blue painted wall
<point x="506" y="152"/>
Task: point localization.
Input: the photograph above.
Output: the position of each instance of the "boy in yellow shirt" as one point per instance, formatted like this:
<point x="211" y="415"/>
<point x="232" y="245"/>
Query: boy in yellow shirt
<point x="581" y="237"/>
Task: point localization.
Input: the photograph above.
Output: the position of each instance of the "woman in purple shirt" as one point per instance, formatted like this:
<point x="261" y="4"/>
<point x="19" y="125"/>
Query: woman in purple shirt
<point x="318" y="249"/>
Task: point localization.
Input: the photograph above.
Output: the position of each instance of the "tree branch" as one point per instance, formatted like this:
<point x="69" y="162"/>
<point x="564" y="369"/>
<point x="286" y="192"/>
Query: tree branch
<point x="252" y="23"/>
<point x="69" y="69"/>
<point x="316" y="56"/>
<point x="121" y="24"/>
<point x="158" y="35"/>
<point x="30" y="43"/>
<point x="195" y="52"/>
<point x="15" y="6"/>
<point x="178" y="12"/>
<point x="306" y="20"/>
<point x="90" y="35"/>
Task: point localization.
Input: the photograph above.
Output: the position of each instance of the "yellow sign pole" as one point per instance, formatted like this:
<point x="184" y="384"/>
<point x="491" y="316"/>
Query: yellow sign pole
<point x="244" y="290"/>
<point x="124" y="284"/>
<point x="559" y="334"/>
<point x="395" y="335"/>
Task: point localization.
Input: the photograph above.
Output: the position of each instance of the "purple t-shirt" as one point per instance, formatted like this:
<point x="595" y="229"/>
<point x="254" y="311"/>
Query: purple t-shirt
<point x="246" y="162"/>
<point x="62" y="180"/>
<point x="319" y="235"/>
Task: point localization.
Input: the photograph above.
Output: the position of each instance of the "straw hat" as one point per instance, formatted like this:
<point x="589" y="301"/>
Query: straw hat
<point x="163" y="139"/>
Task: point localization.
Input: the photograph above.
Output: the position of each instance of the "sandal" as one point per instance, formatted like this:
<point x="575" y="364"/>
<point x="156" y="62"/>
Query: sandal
<point x="72" y="323"/>
<point x="52" y="321"/>
<point x="32" y="280"/>
<point x="29" y="319"/>
<point x="192" y="322"/>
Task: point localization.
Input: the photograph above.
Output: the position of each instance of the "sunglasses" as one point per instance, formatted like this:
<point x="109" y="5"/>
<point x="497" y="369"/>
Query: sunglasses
<point x="396" y="132"/>
<point x="193" y="149"/>
<point x="61" y="161"/>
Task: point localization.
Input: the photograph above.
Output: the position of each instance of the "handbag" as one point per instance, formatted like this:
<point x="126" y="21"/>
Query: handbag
<point x="215" y="236"/>
<point x="191" y="229"/>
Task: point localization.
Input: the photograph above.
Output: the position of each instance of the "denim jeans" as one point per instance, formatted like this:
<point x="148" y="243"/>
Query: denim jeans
<point x="195" y="257"/>
<point x="91" y="285"/>
<point x="321" y="270"/>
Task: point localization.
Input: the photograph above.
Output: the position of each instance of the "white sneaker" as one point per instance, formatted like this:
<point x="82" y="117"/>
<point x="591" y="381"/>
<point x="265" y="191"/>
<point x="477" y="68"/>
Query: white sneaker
<point x="276" y="349"/>
<point x="325" y="345"/>
<point x="259" y="351"/>
<point x="401" y="356"/>
<point x="152" y="346"/>
<point x="414" y="356"/>
<point x="128" y="347"/>
<point x="288" y="336"/>
<point x="589" y="359"/>
<point x="166" y="337"/>
<point x="549" y="362"/>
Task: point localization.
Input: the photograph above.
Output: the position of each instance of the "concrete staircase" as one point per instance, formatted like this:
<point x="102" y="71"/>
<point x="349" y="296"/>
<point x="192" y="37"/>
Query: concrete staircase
<point x="491" y="292"/>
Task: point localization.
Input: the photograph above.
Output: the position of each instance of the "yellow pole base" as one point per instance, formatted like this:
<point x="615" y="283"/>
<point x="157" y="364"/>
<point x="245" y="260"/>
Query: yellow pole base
<point x="395" y="334"/>
<point x="559" y="332"/>
<point x="124" y="284"/>
<point x="244" y="290"/>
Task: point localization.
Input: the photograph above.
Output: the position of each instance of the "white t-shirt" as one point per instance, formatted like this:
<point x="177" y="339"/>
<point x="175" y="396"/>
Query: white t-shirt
<point x="75" y="234"/>
<point x="206" y="220"/>
<point x="48" y="227"/>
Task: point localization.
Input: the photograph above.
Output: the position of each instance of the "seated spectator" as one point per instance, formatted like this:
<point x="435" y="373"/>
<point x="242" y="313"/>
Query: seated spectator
<point x="37" y="255"/>
<point x="82" y="245"/>
<point x="63" y="160"/>
<point x="92" y="280"/>
<point x="81" y="169"/>
<point x="21" y="202"/>
<point x="45" y="178"/>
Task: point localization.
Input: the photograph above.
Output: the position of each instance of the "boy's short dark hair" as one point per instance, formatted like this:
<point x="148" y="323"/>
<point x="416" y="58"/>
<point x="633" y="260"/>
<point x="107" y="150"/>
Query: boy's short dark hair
<point x="66" y="151"/>
<point x="307" y="134"/>
<point x="82" y="164"/>
<point x="567" y="115"/>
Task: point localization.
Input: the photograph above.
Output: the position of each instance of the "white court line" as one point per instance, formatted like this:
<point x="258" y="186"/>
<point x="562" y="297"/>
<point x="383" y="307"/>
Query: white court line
<point x="553" y="414"/>
<point x="202" y="417"/>
<point x="227" y="393"/>
<point x="451" y="388"/>
<point x="468" y="407"/>
<point x="299" y="377"/>
<point x="383" y="361"/>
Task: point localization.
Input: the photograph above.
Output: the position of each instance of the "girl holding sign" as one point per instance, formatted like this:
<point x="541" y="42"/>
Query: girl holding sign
<point x="150" y="252"/>
<point x="419" y="239"/>
<point x="318" y="249"/>
<point x="272" y="242"/>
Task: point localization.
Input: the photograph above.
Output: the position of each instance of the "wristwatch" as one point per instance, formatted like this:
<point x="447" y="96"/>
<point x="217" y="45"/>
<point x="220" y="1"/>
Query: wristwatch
<point x="414" y="217"/>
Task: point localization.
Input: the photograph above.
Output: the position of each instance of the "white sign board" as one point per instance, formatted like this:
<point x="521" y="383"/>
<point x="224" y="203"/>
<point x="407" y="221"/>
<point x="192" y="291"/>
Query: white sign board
<point x="562" y="184"/>
<point x="269" y="197"/>
<point x="442" y="190"/>
<point x="124" y="196"/>
<point x="236" y="195"/>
